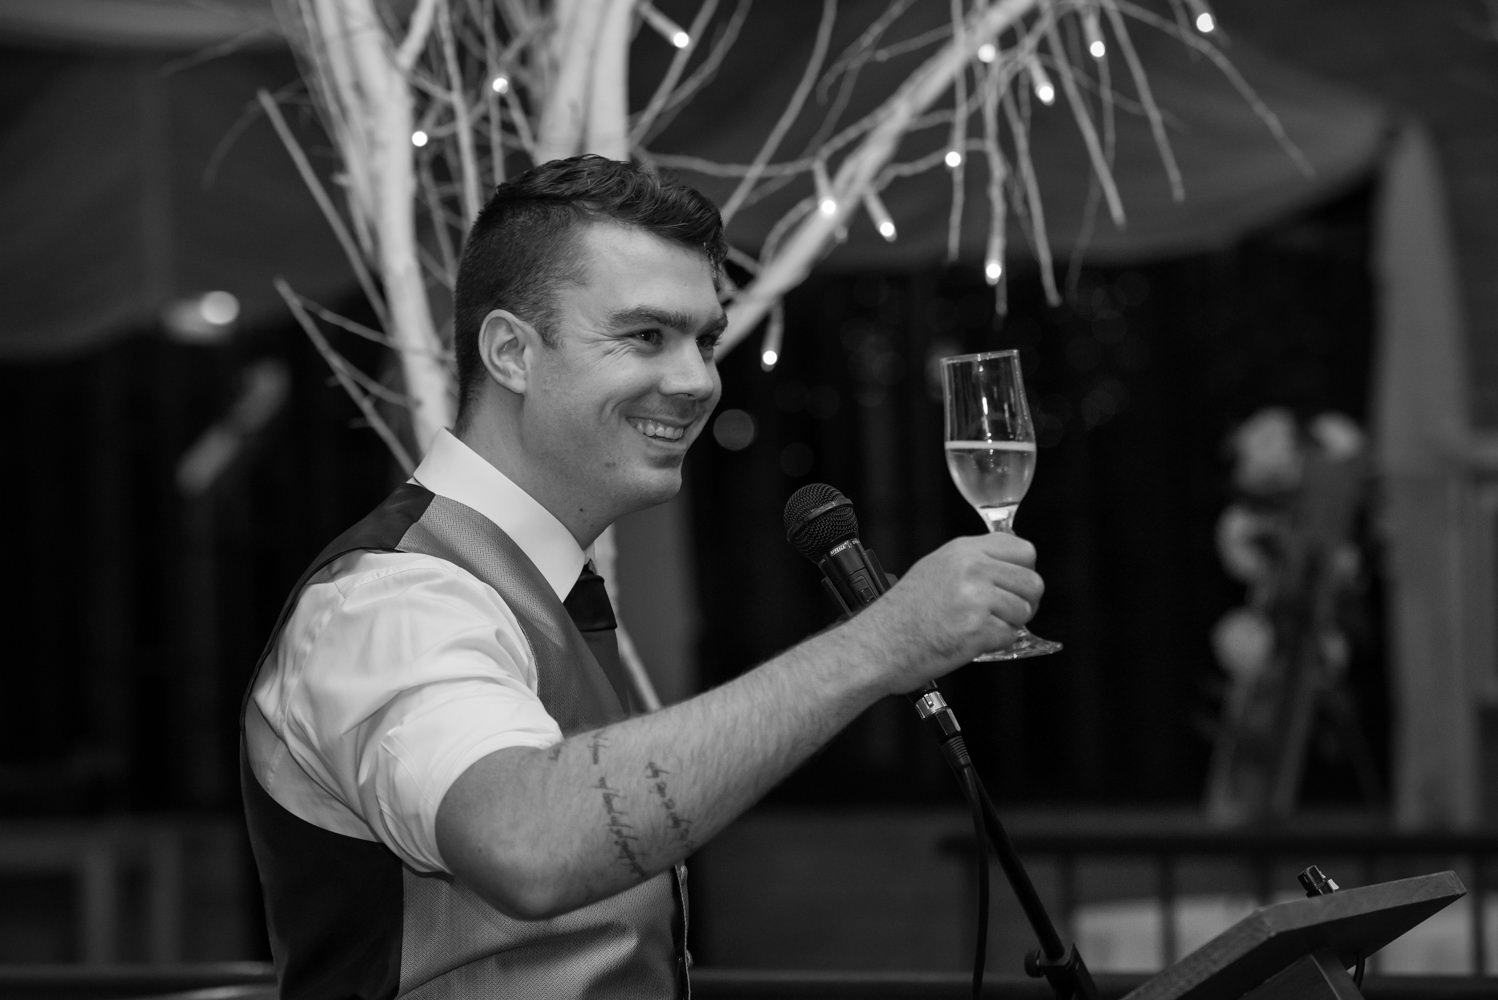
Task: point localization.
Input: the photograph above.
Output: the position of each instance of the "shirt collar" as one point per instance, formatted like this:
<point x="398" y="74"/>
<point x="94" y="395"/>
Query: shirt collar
<point x="454" y="470"/>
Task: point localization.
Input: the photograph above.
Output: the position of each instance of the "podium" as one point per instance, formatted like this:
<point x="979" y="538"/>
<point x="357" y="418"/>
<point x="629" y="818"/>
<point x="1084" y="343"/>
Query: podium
<point x="1302" y="949"/>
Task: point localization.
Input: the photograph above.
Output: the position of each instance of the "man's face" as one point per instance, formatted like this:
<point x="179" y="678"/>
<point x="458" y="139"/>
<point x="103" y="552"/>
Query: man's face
<point x="612" y="408"/>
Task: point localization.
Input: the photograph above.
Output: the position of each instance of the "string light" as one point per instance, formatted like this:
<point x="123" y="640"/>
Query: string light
<point x="826" y="203"/>
<point x="500" y="84"/>
<point x="987" y="52"/>
<point x="1044" y="89"/>
<point x="769" y="351"/>
<point x="668" y="29"/>
<point x="205" y="319"/>
<point x="993" y="259"/>
<point x="953" y="158"/>
<point x="219" y="308"/>
<point x="1092" y="27"/>
<point x="1202" y="17"/>
<point x="882" y="222"/>
<point x="419" y="138"/>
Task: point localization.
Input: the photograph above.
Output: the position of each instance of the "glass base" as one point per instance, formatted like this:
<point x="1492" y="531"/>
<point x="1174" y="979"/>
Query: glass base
<point x="1026" y="644"/>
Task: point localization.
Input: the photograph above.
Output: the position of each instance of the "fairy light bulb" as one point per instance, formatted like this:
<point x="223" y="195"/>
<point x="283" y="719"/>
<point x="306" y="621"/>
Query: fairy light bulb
<point x="419" y="138"/>
<point x="664" y="26"/>
<point x="993" y="270"/>
<point x="500" y="84"/>
<point x="769" y="348"/>
<point x="1093" y="29"/>
<point x="219" y="308"/>
<point x="1044" y="89"/>
<point x="953" y="159"/>
<point x="1201" y="16"/>
<point x="882" y="222"/>
<point x="826" y="203"/>
<point x="987" y="52"/>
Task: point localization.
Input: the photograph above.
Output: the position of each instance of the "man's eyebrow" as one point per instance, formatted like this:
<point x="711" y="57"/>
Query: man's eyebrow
<point x="671" y="319"/>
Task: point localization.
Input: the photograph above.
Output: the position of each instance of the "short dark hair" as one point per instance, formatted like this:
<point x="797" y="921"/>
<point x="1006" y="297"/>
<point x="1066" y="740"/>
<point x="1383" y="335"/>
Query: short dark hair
<point x="524" y="244"/>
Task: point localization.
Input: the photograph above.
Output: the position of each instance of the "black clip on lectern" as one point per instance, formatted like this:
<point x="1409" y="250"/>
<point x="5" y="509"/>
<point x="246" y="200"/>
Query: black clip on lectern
<point x="1302" y="949"/>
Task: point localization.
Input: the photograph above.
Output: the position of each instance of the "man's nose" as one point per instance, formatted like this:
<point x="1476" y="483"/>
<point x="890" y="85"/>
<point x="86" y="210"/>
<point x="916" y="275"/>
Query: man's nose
<point x="690" y="374"/>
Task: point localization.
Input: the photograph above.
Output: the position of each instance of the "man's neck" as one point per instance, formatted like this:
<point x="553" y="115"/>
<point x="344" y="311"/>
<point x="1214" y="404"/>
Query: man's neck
<point x="502" y="452"/>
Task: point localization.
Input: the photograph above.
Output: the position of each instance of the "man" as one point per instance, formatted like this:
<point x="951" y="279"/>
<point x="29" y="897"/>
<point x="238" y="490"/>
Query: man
<point x="445" y="788"/>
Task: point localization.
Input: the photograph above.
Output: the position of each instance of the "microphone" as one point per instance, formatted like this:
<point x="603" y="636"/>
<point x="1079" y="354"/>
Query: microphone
<point x="821" y="525"/>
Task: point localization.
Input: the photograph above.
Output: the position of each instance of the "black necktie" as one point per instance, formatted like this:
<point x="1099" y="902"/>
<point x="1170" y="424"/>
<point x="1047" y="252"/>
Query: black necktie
<point x="588" y="606"/>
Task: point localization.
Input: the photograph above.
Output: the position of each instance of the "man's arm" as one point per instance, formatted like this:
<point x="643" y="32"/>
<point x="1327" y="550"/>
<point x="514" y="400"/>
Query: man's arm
<point x="541" y="832"/>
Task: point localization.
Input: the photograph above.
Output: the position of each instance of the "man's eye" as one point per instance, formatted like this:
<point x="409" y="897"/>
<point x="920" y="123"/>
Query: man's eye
<point x="708" y="343"/>
<point x="649" y="336"/>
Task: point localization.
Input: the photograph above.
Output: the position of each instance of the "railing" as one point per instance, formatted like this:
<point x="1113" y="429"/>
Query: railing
<point x="235" y="982"/>
<point x="1258" y="865"/>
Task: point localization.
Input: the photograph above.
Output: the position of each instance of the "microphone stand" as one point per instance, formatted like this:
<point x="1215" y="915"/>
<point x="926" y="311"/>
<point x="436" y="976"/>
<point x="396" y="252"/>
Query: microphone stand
<point x="1060" y="963"/>
<point x="853" y="578"/>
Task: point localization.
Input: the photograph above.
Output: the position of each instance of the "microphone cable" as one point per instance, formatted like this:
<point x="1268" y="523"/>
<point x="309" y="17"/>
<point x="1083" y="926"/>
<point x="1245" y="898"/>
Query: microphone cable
<point x="955" y="752"/>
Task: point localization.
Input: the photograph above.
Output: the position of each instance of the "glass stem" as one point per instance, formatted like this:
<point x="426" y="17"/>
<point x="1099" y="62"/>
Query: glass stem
<point x="999" y="518"/>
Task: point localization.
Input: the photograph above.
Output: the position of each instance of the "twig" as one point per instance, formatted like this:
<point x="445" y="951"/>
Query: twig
<point x="705" y="71"/>
<point x="339" y="368"/>
<point x="646" y="119"/>
<point x="998" y="169"/>
<point x="1038" y="234"/>
<point x="959" y="137"/>
<point x="351" y="250"/>
<point x="1100" y="165"/>
<point x="1146" y="99"/>
<point x="468" y="168"/>
<point x="416" y="34"/>
<point x="793" y="108"/>
<point x="1235" y="79"/>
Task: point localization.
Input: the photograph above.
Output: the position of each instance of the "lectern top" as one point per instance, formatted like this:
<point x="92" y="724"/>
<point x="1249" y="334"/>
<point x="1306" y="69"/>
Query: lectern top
<point x="1352" y="922"/>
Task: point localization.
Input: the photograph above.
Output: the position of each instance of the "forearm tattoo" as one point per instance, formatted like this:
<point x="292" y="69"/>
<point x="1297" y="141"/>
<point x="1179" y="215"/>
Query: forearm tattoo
<point x="679" y="825"/>
<point x="621" y="831"/>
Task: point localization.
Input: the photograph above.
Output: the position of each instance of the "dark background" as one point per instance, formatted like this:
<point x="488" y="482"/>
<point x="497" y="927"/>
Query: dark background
<point x="1136" y="381"/>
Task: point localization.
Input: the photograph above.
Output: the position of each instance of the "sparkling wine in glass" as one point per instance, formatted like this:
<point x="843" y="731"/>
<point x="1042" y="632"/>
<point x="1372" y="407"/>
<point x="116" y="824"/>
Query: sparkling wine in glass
<point x="990" y="441"/>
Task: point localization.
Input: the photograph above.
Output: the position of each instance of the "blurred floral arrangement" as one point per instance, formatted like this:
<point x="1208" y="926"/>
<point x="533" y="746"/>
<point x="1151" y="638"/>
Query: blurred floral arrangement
<point x="1289" y="536"/>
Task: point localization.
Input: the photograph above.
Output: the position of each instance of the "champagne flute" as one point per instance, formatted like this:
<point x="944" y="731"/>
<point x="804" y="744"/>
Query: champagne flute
<point x="990" y="442"/>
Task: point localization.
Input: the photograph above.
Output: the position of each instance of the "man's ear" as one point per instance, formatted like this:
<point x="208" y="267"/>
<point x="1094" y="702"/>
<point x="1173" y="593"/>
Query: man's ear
<point x="505" y="343"/>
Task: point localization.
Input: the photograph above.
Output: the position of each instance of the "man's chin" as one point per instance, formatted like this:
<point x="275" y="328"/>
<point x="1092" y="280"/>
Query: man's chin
<point x="660" y="485"/>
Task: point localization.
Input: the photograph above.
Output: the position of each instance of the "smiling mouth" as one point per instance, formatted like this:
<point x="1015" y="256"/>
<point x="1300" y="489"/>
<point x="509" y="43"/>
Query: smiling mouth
<point x="657" y="431"/>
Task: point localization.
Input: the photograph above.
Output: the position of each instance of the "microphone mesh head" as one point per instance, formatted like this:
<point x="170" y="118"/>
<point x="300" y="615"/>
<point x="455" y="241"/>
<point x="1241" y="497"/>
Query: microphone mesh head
<point x="817" y="517"/>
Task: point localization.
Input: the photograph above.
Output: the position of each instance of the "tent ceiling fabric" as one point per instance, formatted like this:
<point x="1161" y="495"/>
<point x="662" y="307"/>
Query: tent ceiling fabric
<point x="138" y="173"/>
<point x="149" y="24"/>
<point x="133" y="181"/>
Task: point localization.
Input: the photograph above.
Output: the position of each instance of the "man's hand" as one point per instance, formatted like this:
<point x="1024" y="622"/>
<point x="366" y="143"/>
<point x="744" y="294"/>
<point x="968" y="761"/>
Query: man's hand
<point x="963" y="599"/>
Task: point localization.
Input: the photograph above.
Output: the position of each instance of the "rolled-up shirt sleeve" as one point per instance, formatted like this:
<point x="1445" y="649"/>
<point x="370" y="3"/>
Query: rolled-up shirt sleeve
<point x="421" y="670"/>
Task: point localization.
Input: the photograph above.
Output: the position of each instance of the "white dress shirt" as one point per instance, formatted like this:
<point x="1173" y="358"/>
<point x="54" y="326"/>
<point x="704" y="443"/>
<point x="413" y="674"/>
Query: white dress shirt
<point x="396" y="671"/>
